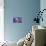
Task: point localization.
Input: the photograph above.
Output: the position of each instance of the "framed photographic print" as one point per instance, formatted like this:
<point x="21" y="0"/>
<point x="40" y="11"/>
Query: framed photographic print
<point x="17" y="19"/>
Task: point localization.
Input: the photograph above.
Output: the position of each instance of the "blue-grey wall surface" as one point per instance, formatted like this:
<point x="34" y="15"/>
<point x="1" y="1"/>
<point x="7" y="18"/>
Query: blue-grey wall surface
<point x="19" y="8"/>
<point x="43" y="6"/>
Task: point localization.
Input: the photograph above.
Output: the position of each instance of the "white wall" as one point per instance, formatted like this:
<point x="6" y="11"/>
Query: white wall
<point x="1" y="20"/>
